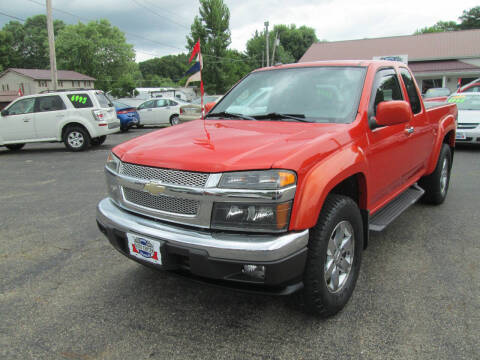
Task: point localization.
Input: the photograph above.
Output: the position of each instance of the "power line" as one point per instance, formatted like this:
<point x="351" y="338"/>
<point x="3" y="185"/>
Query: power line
<point x="140" y="36"/>
<point x="161" y="16"/>
<point x="11" y="16"/>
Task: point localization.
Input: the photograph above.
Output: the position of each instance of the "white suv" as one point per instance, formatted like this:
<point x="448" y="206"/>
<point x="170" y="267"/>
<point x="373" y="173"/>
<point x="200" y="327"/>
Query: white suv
<point x="79" y="118"/>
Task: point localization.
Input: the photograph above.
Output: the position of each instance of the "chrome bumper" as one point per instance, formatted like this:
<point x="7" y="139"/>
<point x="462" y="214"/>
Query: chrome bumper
<point x="241" y="247"/>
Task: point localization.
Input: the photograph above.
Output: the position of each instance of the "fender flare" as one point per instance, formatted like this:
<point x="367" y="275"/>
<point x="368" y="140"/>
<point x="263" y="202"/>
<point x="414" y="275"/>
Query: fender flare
<point x="446" y="125"/>
<point x="75" y="120"/>
<point x="321" y="179"/>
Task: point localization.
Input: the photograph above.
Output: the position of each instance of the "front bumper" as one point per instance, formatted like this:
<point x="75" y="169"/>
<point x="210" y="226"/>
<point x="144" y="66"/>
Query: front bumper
<point x="468" y="136"/>
<point x="215" y="256"/>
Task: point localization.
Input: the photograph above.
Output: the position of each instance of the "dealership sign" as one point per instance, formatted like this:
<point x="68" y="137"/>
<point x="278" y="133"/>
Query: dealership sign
<point x="401" y="58"/>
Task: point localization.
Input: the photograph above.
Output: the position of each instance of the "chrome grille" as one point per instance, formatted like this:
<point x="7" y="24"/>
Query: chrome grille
<point x="165" y="176"/>
<point x="467" y="126"/>
<point x="162" y="202"/>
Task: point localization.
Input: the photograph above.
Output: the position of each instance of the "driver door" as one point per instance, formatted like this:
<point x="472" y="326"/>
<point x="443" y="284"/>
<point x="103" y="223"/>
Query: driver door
<point x="17" y="124"/>
<point x="145" y="111"/>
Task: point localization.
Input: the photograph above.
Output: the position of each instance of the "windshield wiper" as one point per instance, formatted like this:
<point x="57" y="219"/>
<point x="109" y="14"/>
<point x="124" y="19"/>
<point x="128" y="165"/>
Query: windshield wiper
<point x="279" y="116"/>
<point x="226" y="114"/>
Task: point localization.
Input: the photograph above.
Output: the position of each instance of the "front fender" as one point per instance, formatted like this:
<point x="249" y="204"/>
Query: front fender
<point x="447" y="124"/>
<point x="314" y="187"/>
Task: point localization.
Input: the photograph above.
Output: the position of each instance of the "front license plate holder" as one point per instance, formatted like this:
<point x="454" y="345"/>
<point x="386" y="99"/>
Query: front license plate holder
<point x="145" y="248"/>
<point x="460" y="136"/>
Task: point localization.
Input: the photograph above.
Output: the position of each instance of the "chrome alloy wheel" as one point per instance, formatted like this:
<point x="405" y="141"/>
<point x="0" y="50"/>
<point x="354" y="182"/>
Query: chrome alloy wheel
<point x="75" y="139"/>
<point x="444" y="177"/>
<point x="340" y="253"/>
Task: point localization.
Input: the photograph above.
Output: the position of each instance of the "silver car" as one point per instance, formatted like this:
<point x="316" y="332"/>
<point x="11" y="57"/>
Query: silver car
<point x="468" y="128"/>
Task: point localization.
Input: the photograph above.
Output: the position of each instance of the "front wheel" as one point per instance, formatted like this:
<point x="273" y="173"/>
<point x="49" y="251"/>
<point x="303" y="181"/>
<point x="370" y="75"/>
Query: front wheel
<point x="14" y="147"/>
<point x="436" y="184"/>
<point x="334" y="256"/>
<point x="76" y="138"/>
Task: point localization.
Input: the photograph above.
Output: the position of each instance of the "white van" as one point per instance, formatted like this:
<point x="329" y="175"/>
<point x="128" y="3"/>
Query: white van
<point x="79" y="118"/>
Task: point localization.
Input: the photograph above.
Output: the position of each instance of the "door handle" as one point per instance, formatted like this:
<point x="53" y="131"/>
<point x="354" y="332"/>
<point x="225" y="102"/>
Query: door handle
<point x="26" y="120"/>
<point x="149" y="110"/>
<point x="409" y="130"/>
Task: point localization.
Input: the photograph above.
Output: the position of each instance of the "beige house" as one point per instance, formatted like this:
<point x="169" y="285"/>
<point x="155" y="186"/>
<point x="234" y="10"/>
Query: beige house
<point x="437" y="60"/>
<point x="34" y="81"/>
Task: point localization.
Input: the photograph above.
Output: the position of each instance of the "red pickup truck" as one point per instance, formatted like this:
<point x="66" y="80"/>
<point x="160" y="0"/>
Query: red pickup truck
<point x="277" y="190"/>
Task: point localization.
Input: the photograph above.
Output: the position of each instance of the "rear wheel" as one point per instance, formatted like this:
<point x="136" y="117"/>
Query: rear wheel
<point x="139" y="126"/>
<point x="76" y="138"/>
<point x="174" y="120"/>
<point x="436" y="184"/>
<point x="334" y="256"/>
<point x="14" y="147"/>
<point x="124" y="129"/>
<point x="98" y="140"/>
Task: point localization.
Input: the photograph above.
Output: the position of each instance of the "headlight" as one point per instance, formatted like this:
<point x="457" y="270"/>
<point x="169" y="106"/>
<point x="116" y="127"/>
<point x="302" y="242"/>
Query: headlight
<point x="259" y="180"/>
<point x="113" y="162"/>
<point x="251" y="217"/>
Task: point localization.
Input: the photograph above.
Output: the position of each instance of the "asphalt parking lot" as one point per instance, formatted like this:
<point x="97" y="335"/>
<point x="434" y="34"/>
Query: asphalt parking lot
<point x="65" y="293"/>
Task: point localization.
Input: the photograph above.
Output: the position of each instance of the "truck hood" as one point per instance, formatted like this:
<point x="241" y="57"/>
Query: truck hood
<point x="231" y="145"/>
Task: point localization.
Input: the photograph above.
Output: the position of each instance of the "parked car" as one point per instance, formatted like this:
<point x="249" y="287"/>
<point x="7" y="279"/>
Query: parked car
<point x="436" y="94"/>
<point x="283" y="200"/>
<point x="127" y="115"/>
<point x="468" y="127"/>
<point x="193" y="110"/>
<point x="79" y="118"/>
<point x="159" y="111"/>
<point x="473" y="86"/>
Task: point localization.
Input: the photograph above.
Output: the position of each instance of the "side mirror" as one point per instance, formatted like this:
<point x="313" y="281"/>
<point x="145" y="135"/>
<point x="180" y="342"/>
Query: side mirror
<point x="209" y="106"/>
<point x="4" y="112"/>
<point x="393" y="112"/>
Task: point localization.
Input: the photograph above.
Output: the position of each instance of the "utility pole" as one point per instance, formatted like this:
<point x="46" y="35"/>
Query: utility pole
<point x="266" y="37"/>
<point x="275" y="44"/>
<point x="263" y="59"/>
<point x="51" y="44"/>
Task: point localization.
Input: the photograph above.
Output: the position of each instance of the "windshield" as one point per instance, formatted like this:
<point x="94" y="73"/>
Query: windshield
<point x="316" y="94"/>
<point x="437" y="92"/>
<point x="465" y="102"/>
<point x="120" y="104"/>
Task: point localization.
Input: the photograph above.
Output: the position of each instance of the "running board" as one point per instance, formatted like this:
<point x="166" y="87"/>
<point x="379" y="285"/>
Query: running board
<point x="394" y="208"/>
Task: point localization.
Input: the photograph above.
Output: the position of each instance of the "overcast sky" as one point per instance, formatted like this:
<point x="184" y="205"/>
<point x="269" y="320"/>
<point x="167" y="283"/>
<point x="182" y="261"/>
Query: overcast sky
<point x="159" y="27"/>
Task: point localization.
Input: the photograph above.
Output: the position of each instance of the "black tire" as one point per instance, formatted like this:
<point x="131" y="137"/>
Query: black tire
<point x="318" y="298"/>
<point x="174" y="120"/>
<point x="139" y="126"/>
<point x="14" y="147"/>
<point x="98" y="140"/>
<point x="436" y="184"/>
<point x="76" y="138"/>
<point x="124" y="129"/>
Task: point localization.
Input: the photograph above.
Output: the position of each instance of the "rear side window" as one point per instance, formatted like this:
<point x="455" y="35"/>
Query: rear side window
<point x="162" y="103"/>
<point x="80" y="101"/>
<point x="411" y="91"/>
<point x="49" y="103"/>
<point x="103" y="100"/>
<point x="172" y="103"/>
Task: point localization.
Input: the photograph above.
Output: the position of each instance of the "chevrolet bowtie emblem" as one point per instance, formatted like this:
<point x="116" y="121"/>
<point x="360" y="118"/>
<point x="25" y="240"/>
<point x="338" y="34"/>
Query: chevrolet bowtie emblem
<point x="154" y="188"/>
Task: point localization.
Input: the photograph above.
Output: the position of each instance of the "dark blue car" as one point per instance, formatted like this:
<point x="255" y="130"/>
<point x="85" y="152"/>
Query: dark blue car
<point x="127" y="115"/>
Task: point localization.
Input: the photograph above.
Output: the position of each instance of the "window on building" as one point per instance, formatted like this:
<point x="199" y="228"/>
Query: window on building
<point x="431" y="83"/>
<point x="60" y="83"/>
<point x="49" y="103"/>
<point x="411" y="91"/>
<point x="73" y="83"/>
<point x="80" y="101"/>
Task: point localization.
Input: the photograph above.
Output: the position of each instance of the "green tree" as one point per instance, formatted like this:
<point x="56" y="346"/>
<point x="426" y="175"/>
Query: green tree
<point x="29" y="42"/>
<point x="256" y="51"/>
<point x="170" y="66"/>
<point x="295" y="40"/>
<point x="440" y="26"/>
<point x="470" y="19"/>
<point x="212" y="28"/>
<point x="97" y="49"/>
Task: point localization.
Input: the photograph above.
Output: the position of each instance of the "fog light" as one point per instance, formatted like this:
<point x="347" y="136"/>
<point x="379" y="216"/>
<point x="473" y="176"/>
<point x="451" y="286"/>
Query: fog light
<point x="256" y="271"/>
